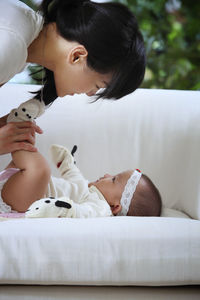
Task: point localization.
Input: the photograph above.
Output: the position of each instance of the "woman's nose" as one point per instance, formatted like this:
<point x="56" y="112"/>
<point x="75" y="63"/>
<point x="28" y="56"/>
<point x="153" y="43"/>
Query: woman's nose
<point x="92" y="92"/>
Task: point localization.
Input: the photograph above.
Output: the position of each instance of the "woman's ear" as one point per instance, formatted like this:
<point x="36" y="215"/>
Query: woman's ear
<point x="78" y="54"/>
<point x="116" y="208"/>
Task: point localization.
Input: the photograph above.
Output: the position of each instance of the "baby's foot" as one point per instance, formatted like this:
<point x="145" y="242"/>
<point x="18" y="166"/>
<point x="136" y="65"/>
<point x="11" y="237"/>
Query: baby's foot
<point x="61" y="156"/>
<point x="27" y="111"/>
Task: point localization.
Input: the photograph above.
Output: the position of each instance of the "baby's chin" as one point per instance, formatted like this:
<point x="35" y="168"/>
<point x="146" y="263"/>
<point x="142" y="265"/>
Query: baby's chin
<point x="92" y="183"/>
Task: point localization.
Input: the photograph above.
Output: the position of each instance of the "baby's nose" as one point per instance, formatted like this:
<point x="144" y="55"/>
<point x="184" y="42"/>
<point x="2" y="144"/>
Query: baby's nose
<point x="89" y="94"/>
<point x="107" y="175"/>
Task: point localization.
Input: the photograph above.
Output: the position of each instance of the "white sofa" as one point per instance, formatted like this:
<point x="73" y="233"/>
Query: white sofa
<point x="157" y="131"/>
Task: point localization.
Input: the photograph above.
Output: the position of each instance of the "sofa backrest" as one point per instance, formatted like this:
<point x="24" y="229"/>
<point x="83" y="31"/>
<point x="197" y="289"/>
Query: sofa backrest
<point x="157" y="131"/>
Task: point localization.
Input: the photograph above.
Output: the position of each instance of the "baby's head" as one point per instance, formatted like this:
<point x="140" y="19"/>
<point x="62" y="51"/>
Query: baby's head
<point x="130" y="193"/>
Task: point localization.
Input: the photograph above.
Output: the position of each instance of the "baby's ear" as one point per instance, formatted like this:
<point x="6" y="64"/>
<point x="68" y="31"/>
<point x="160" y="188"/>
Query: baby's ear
<point x="116" y="208"/>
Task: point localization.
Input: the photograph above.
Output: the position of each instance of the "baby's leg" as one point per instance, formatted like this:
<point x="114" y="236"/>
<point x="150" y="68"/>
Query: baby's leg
<point x="10" y="165"/>
<point x="30" y="183"/>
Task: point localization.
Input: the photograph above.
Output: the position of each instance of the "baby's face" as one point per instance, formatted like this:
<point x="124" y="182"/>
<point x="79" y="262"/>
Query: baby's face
<point x="112" y="186"/>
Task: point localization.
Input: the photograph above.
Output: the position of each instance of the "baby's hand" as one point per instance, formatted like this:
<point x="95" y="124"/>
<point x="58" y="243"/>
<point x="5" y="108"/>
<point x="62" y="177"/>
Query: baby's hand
<point x="61" y="154"/>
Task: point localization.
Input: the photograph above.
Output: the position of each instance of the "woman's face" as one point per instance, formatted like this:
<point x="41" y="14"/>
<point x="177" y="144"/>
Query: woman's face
<point x="68" y="61"/>
<point x="77" y="79"/>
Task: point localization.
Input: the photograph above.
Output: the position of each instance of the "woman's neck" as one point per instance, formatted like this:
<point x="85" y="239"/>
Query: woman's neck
<point x="38" y="50"/>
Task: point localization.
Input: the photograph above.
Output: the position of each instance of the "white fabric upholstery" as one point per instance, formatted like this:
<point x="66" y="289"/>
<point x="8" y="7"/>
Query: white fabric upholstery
<point x="100" y="251"/>
<point x="157" y="131"/>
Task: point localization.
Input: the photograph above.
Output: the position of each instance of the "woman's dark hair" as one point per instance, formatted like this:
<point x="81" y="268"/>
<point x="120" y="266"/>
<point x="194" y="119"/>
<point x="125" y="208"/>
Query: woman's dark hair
<point x="110" y="34"/>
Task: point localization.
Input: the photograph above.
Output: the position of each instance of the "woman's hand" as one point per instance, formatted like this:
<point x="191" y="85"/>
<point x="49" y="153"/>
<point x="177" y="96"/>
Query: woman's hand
<point x="17" y="136"/>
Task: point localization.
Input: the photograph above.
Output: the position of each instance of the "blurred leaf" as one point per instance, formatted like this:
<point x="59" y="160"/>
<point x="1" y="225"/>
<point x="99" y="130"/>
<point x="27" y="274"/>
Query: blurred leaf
<point x="30" y="3"/>
<point x="171" y="31"/>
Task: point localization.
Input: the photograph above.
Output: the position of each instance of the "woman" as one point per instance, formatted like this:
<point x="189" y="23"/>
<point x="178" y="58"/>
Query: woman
<point x="83" y="46"/>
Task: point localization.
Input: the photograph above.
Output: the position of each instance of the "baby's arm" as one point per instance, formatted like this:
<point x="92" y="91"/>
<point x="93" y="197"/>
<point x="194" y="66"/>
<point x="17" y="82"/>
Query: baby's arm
<point x="30" y="183"/>
<point x="66" y="208"/>
<point x="91" y="209"/>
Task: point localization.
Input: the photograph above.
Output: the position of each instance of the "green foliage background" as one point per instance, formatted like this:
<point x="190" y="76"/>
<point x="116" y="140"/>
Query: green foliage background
<point x="171" y="31"/>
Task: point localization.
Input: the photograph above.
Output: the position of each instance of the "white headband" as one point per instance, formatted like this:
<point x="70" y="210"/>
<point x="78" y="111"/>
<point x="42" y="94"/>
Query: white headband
<point x="128" y="192"/>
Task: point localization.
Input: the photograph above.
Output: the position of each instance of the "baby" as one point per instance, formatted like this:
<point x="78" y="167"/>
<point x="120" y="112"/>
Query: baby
<point x="128" y="193"/>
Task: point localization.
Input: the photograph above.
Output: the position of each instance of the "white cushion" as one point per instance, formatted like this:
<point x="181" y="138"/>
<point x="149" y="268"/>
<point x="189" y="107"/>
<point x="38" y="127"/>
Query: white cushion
<point x="100" y="251"/>
<point x="172" y="213"/>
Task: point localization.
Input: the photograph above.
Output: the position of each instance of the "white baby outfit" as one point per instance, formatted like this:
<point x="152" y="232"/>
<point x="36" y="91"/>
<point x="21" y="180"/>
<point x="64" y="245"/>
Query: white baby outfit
<point x="86" y="202"/>
<point x="19" y="26"/>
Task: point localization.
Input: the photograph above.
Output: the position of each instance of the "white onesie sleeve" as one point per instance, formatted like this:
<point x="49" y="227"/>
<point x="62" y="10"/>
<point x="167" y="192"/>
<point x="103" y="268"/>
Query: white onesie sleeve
<point x="13" y="54"/>
<point x="19" y="26"/>
<point x="93" y="206"/>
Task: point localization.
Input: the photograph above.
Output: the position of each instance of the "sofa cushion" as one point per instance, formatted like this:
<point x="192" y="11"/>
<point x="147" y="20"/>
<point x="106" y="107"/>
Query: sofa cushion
<point x="100" y="251"/>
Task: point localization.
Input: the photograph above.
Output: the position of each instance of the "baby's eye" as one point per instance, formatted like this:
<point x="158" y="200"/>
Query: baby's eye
<point x="113" y="179"/>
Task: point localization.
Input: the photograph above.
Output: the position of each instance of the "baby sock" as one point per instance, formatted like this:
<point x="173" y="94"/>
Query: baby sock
<point x="51" y="208"/>
<point x="27" y="111"/>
